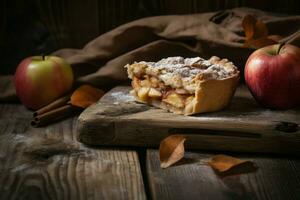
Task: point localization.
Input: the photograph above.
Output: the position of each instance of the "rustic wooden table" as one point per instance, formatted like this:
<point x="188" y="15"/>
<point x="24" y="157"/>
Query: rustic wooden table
<point x="49" y="163"/>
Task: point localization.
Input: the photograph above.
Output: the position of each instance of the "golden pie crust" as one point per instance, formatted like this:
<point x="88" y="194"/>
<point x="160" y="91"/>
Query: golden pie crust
<point x="184" y="85"/>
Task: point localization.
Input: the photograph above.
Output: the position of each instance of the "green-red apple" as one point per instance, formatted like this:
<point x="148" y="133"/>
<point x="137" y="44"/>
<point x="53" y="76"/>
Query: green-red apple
<point x="39" y="80"/>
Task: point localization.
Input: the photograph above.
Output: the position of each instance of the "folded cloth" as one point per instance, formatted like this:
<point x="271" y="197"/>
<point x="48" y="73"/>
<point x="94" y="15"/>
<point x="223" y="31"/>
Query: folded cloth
<point x="101" y="62"/>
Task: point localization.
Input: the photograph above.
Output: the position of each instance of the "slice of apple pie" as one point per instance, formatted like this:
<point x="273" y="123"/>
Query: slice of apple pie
<point x="184" y="85"/>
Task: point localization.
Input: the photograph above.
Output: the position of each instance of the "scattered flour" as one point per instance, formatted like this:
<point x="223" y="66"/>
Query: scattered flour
<point x="122" y="97"/>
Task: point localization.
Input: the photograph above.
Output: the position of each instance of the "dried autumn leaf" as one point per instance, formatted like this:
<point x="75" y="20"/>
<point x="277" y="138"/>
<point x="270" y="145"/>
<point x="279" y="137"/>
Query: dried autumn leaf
<point x="258" y="43"/>
<point x="254" y="28"/>
<point x="260" y="30"/>
<point x="171" y="150"/>
<point x="275" y="37"/>
<point x="256" y="33"/>
<point x="223" y="163"/>
<point x="248" y="24"/>
<point x="85" y="96"/>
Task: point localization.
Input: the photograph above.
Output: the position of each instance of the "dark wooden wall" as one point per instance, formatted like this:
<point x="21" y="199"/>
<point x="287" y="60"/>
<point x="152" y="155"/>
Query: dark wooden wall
<point x="30" y="27"/>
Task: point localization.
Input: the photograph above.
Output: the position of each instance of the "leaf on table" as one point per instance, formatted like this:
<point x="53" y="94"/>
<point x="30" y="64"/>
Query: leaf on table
<point x="223" y="163"/>
<point x="171" y="150"/>
<point x="86" y="95"/>
<point x="257" y="34"/>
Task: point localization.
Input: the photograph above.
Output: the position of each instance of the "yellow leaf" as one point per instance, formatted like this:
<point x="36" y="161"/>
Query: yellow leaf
<point x="171" y="150"/>
<point x="223" y="163"/>
<point x="85" y="96"/>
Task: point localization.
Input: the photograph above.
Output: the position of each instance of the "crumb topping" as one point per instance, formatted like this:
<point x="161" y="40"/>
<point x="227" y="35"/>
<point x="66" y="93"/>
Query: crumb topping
<point x="190" y="67"/>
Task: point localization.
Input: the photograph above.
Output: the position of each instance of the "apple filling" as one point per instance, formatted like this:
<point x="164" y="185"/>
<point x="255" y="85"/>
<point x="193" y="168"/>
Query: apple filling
<point x="151" y="90"/>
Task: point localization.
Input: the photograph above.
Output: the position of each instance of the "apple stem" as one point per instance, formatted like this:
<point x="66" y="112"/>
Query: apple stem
<point x="280" y="46"/>
<point x="43" y="56"/>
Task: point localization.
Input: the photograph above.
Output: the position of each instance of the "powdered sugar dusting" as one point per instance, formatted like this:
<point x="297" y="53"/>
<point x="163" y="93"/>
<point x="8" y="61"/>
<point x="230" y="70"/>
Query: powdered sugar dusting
<point x="121" y="97"/>
<point x="189" y="67"/>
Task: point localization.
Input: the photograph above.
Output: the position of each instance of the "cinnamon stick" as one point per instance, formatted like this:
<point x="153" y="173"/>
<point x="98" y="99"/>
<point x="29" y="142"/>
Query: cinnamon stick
<point x="53" y="115"/>
<point x="55" y="104"/>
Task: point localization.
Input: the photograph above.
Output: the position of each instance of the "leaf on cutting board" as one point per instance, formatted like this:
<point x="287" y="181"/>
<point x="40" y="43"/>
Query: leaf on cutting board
<point x="257" y="34"/>
<point x="171" y="150"/>
<point x="86" y="95"/>
<point x="223" y="163"/>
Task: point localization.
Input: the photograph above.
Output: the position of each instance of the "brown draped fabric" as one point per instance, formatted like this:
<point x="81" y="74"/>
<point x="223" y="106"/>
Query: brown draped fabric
<point x="101" y="62"/>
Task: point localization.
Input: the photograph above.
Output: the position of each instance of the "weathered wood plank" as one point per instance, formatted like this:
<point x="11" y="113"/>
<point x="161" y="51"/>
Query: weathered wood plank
<point x="244" y="126"/>
<point x="276" y="178"/>
<point x="48" y="163"/>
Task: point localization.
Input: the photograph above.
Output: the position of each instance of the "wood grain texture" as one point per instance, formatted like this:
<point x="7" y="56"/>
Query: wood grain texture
<point x="243" y="126"/>
<point x="48" y="163"/>
<point x="276" y="178"/>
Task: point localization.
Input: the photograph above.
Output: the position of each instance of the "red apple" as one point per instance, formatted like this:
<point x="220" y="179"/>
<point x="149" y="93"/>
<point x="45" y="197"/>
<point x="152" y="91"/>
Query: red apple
<point x="39" y="80"/>
<point x="272" y="74"/>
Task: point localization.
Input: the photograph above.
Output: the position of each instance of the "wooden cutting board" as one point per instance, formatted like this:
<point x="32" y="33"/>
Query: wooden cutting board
<point x="244" y="126"/>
